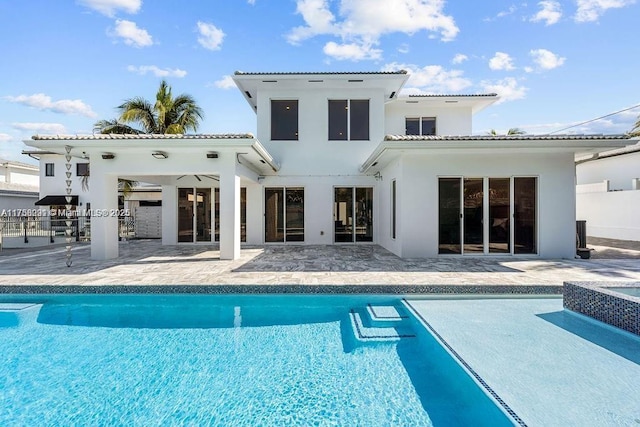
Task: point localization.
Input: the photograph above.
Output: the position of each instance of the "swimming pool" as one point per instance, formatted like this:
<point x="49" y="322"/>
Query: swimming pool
<point x="228" y="360"/>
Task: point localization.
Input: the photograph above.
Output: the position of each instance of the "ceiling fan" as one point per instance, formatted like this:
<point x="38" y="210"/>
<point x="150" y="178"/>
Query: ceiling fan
<point x="199" y="179"/>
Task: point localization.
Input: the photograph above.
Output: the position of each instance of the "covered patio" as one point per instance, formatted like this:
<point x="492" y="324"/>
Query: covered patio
<point x="191" y="161"/>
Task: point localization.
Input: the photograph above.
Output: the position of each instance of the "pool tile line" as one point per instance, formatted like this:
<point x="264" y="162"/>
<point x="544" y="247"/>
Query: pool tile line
<point x="469" y="369"/>
<point x="404" y="289"/>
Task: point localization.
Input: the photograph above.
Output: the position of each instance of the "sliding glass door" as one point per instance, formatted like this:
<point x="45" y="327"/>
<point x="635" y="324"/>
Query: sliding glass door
<point x="194" y="215"/>
<point x="284" y="214"/>
<point x="475" y="215"/>
<point x="524" y="215"/>
<point x="449" y="241"/>
<point x="499" y="213"/>
<point x="353" y="214"/>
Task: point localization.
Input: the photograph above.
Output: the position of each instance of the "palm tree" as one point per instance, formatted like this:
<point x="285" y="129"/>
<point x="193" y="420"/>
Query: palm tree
<point x="168" y="115"/>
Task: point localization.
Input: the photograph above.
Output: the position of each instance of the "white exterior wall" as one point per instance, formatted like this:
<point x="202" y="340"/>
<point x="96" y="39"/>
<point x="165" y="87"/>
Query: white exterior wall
<point x="313" y="154"/>
<point x="449" y="120"/>
<point x="619" y="170"/>
<point x="418" y="195"/>
<point x="384" y="214"/>
<point x="56" y="185"/>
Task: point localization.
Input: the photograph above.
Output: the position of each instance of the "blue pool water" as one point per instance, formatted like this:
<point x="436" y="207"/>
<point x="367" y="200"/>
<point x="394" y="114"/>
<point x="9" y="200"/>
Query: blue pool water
<point x="226" y="360"/>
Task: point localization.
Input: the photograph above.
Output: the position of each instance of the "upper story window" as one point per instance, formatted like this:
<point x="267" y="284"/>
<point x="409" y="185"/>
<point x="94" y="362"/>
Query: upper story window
<point x="349" y="120"/>
<point x="420" y="126"/>
<point x="49" y="169"/>
<point x="82" y="169"/>
<point x="284" y="120"/>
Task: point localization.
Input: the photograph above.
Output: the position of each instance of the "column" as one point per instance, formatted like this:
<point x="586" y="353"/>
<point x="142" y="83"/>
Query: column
<point x="229" y="210"/>
<point x="104" y="215"/>
<point x="169" y="215"/>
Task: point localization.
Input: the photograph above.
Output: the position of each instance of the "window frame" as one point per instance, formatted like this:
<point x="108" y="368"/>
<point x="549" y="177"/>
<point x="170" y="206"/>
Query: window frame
<point x="348" y="118"/>
<point x="276" y="133"/>
<point x="88" y="170"/>
<point x="49" y="169"/>
<point x="420" y="125"/>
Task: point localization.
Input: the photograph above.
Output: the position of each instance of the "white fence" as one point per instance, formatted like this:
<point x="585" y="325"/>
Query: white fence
<point x="609" y="214"/>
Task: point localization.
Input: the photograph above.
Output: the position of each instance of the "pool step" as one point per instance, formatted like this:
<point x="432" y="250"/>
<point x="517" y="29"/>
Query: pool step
<point x="15" y="314"/>
<point x="372" y="332"/>
<point x="384" y="313"/>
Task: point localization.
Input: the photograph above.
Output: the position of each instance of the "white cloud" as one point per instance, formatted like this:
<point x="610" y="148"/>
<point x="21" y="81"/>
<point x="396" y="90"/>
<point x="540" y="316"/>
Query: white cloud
<point x="158" y="72"/>
<point x="362" y="22"/>
<point x="251" y="1"/>
<point x="226" y="82"/>
<point x="430" y="79"/>
<point x="43" y="102"/>
<point x="110" y="7"/>
<point x="508" y="89"/>
<point x="351" y="51"/>
<point x="210" y="36"/>
<point x="459" y="58"/>
<point x="590" y="10"/>
<point x="502" y="14"/>
<point x="53" y="128"/>
<point x="131" y="34"/>
<point x="404" y="48"/>
<point x="550" y="12"/>
<point x="501" y="61"/>
<point x="5" y="137"/>
<point x="545" y="59"/>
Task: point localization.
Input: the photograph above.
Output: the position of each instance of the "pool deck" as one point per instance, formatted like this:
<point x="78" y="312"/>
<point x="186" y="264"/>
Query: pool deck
<point x="148" y="266"/>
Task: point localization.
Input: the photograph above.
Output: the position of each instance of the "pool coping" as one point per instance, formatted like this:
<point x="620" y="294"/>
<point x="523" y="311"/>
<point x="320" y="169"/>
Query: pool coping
<point x="337" y="289"/>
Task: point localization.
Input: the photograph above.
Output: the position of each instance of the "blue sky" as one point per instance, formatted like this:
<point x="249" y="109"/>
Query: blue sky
<point x="68" y="63"/>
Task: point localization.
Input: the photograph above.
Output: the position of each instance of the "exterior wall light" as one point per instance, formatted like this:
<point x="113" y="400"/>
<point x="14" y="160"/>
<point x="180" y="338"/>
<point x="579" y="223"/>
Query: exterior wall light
<point x="159" y="155"/>
<point x="212" y="155"/>
<point x="108" y="156"/>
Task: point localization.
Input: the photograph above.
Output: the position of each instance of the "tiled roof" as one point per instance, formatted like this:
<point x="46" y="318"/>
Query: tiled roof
<point x="14" y="163"/>
<point x="501" y="137"/>
<point x="452" y="95"/>
<point x="97" y="137"/>
<point x="311" y="73"/>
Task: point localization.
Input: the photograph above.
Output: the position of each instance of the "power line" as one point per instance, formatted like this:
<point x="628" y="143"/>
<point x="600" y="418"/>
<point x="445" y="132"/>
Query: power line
<point x="597" y="118"/>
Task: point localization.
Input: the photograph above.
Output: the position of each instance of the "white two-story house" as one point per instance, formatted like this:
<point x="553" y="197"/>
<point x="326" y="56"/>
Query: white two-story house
<point x="342" y="158"/>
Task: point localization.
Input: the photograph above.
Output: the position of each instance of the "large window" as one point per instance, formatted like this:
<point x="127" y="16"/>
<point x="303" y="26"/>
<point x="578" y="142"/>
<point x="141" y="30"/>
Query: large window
<point x="480" y="215"/>
<point x="284" y="214"/>
<point x="420" y="126"/>
<point x="49" y="169"/>
<point x="349" y="120"/>
<point x="284" y="120"/>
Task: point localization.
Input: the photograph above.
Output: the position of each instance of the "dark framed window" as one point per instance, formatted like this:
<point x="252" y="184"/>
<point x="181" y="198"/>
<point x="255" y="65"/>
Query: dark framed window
<point x="349" y="120"/>
<point x="82" y="169"/>
<point x="49" y="169"/>
<point x="284" y="120"/>
<point x="393" y="208"/>
<point x="338" y="129"/>
<point x="420" y="126"/>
